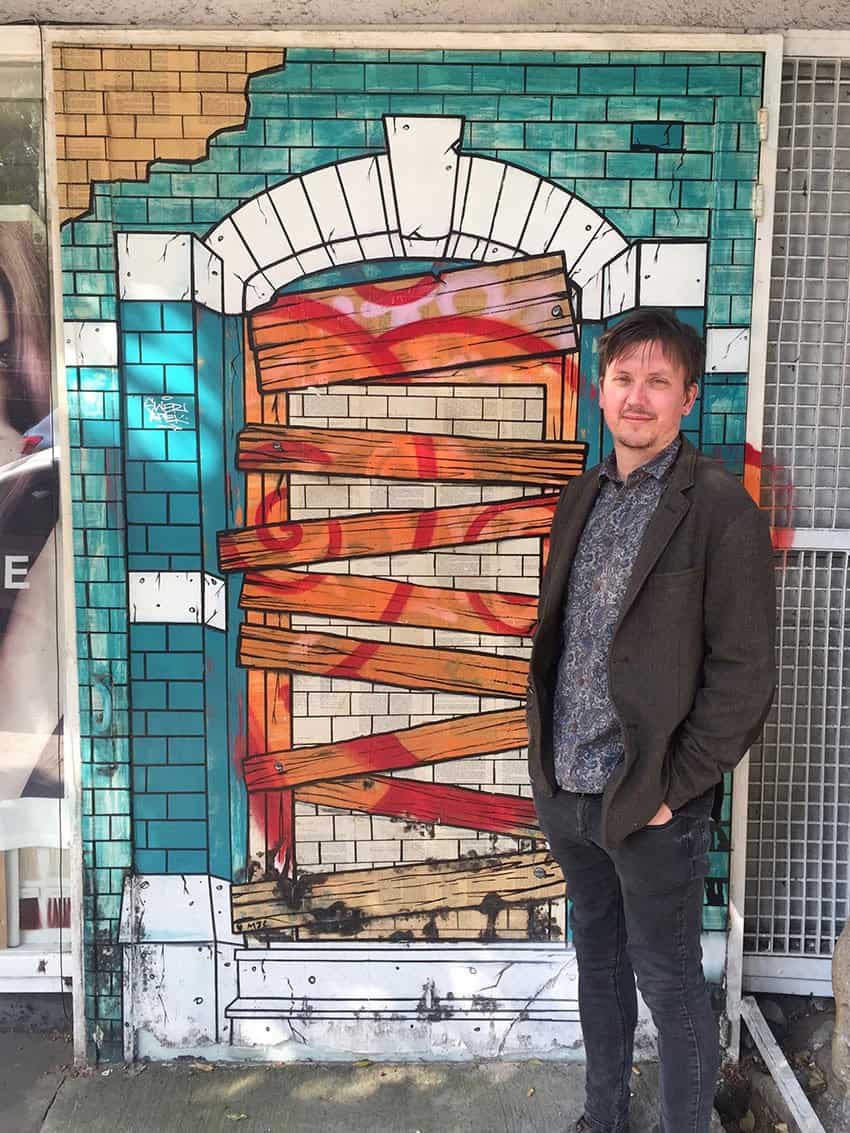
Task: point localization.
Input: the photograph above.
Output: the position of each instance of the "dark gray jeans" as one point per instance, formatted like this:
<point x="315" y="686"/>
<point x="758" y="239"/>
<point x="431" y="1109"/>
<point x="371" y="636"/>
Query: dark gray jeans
<point x="637" y="911"/>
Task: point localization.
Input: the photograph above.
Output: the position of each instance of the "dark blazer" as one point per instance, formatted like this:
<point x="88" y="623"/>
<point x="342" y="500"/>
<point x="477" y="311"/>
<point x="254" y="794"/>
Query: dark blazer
<point x="691" y="667"/>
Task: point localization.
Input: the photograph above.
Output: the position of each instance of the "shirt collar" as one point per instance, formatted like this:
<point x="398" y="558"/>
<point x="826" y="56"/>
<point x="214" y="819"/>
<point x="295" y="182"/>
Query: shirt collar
<point x="658" y="466"/>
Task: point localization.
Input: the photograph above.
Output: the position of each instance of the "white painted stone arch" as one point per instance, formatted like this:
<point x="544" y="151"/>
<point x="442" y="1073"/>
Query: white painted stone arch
<point x="421" y="199"/>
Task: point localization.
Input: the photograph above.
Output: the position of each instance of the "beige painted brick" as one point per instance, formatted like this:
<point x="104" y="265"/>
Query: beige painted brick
<point x="178" y="149"/>
<point x="454" y="703"/>
<point x="263" y="60"/>
<point x="86" y="148"/>
<point x="109" y="80"/>
<point x="504" y="408"/>
<point x="411" y="406"/>
<point x="329" y="703"/>
<point x="519" y="430"/>
<point x="308" y="854"/>
<point x="205" y="126"/>
<point x="350" y="727"/>
<point x="384" y="829"/>
<point x="307" y="682"/>
<point x="534" y="411"/>
<point x="370" y="497"/>
<point x="222" y="61"/>
<point x="388" y="723"/>
<point x="388" y="424"/>
<point x="378" y="851"/>
<point x="455" y="566"/>
<point x="467" y="771"/>
<point x="129" y="102"/>
<point x="404" y="496"/>
<point x="367" y="405"/>
<point x="216" y="103"/>
<point x="203" y="80"/>
<point x="427" y="849"/>
<point x="510" y="772"/>
<point x="411" y="635"/>
<point x="518" y="585"/>
<point x="407" y="702"/>
<point x="168" y="102"/>
<point x="58" y="78"/>
<point x="335" y="852"/>
<point x="156" y="80"/>
<point x="126" y="59"/>
<point x="311" y="731"/>
<point x="460" y="408"/>
<point x="317" y="829"/>
<point x="327" y="496"/>
<point x="159" y="126"/>
<point x="71" y="125"/>
<point x="305" y="808"/>
<point x="489" y="430"/>
<point x="322" y="405"/>
<point x="174" y="59"/>
<point x="81" y="58"/>
<point x="130" y="149"/>
<point x="352" y="828"/>
<point x="419" y="774"/>
<point x="369" y="703"/>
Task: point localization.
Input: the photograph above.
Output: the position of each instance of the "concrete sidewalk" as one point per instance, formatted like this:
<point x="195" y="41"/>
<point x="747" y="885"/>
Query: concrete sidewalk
<point x="528" y="1097"/>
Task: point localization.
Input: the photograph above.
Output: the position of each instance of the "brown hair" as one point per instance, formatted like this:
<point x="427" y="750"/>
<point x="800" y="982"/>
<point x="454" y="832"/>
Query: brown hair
<point x="680" y="342"/>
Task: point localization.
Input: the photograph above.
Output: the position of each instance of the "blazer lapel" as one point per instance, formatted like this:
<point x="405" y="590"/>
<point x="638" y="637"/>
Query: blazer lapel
<point x="671" y="510"/>
<point x="565" y="537"/>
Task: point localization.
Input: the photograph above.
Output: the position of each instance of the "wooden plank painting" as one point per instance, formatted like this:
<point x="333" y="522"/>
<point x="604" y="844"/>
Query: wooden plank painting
<point x="390" y="603"/>
<point x="476" y="330"/>
<point x="504" y="311"/>
<point x="426" y="744"/>
<point x="411" y="456"/>
<point x="341" y="901"/>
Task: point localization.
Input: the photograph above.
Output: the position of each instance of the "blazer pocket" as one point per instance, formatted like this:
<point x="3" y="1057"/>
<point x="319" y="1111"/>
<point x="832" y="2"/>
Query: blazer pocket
<point x="677" y="578"/>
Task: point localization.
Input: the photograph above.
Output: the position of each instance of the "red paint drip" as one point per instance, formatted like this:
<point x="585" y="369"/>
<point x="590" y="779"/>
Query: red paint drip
<point x="426" y="523"/>
<point x="426" y="460"/>
<point x="398" y="600"/>
<point x="478" y="603"/>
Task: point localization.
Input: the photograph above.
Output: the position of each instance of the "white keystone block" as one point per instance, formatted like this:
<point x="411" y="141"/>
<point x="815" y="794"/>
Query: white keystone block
<point x="91" y="344"/>
<point x="672" y="274"/>
<point x="324" y="191"/>
<point x="259" y="226"/>
<point x="727" y="350"/>
<point x="423" y="154"/>
<point x="547" y="212"/>
<point x="482" y="197"/>
<point x="155" y="265"/>
<point x="215" y="602"/>
<point x="172" y="596"/>
<point x="239" y="264"/>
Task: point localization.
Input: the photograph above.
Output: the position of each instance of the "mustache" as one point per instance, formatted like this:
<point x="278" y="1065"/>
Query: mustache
<point x="629" y="412"/>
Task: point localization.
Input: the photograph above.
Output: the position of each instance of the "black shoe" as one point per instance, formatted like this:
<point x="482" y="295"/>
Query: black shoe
<point x="584" y="1126"/>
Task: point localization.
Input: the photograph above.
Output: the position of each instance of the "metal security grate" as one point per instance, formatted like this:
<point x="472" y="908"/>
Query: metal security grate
<point x="799" y="812"/>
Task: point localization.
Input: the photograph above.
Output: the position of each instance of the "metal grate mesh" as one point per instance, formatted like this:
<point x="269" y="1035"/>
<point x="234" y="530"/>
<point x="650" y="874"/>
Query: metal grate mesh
<point x="799" y="812"/>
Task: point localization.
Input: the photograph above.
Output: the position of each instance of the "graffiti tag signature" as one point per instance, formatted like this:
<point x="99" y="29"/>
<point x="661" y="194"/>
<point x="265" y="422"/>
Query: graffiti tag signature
<point x="168" y="412"/>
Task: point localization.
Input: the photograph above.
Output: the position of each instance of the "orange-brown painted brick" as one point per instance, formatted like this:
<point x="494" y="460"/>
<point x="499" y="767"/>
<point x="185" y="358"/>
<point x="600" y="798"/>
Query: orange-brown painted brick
<point x="77" y="171"/>
<point x="81" y="58"/>
<point x="70" y="124"/>
<point x="86" y="148"/>
<point x="159" y="126"/>
<point x="126" y="171"/>
<point x="206" y="125"/>
<point x="84" y="102"/>
<point x="126" y="59"/>
<point x="109" y="80"/>
<point x="236" y="83"/>
<point x="130" y="149"/>
<point x="179" y="149"/>
<point x="156" y="80"/>
<point x="74" y="80"/>
<point x="167" y="103"/>
<point x="78" y="196"/>
<point x="116" y="125"/>
<point x="129" y="102"/>
<point x="181" y="59"/>
<point x="263" y="60"/>
<point x="101" y="171"/>
<point x="222" y="60"/>
<point x="203" y="80"/>
<point x="224" y="104"/>
<point x="60" y="147"/>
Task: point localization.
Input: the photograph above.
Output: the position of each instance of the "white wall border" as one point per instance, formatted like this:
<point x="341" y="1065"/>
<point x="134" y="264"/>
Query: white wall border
<point x="818" y="44"/>
<point x="67" y="610"/>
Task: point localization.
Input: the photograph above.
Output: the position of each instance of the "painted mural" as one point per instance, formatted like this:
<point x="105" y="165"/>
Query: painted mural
<point x="331" y="321"/>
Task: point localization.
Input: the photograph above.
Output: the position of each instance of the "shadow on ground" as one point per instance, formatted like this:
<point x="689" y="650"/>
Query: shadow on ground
<point x="527" y="1097"/>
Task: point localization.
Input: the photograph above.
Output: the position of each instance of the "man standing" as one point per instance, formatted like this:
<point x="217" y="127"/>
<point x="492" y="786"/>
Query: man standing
<point x="651" y="674"/>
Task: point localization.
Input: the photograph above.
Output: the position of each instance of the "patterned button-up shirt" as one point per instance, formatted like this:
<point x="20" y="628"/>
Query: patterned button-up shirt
<point x="587" y="736"/>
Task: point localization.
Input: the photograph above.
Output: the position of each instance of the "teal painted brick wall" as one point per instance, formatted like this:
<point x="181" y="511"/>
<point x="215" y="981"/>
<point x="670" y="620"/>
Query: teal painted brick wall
<point x="100" y="574"/>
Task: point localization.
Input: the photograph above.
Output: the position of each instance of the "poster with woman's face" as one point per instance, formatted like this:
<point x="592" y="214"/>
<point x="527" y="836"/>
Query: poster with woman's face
<point x="30" y="717"/>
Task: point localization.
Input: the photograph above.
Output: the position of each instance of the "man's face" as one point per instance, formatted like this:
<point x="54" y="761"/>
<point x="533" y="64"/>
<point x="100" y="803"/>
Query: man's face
<point x="643" y="398"/>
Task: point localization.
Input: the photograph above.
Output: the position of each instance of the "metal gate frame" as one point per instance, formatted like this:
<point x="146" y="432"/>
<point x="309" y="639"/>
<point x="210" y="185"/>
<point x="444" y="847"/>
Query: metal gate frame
<point x="779" y="971"/>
